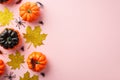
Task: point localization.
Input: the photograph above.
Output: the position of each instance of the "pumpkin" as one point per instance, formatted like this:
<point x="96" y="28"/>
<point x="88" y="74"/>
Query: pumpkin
<point x="5" y="1"/>
<point x="10" y="39"/>
<point x="29" y="11"/>
<point x="2" y="67"/>
<point x="36" y="61"/>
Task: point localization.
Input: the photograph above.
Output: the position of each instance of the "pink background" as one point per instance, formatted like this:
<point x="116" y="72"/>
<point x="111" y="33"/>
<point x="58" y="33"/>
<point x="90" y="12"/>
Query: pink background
<point x="83" y="41"/>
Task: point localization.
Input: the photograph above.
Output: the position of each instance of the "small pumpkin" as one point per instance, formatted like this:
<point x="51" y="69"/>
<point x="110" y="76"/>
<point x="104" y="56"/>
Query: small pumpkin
<point x="2" y="67"/>
<point x="29" y="11"/>
<point x="5" y="1"/>
<point x="10" y="39"/>
<point x="36" y="61"/>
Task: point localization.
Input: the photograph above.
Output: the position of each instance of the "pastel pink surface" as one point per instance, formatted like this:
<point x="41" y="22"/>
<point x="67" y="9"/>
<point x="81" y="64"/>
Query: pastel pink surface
<point x="83" y="41"/>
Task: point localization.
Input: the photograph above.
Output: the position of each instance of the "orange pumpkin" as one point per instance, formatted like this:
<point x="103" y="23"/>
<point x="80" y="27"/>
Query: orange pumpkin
<point x="5" y="1"/>
<point x="36" y="61"/>
<point x="29" y="11"/>
<point x="2" y="67"/>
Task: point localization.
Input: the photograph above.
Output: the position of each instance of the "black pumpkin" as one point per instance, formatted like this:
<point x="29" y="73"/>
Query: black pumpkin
<point x="9" y="38"/>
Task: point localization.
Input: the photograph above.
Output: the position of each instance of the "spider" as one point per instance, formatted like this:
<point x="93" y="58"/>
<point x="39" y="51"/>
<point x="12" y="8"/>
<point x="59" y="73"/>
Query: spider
<point x="43" y="74"/>
<point x="10" y="76"/>
<point x="22" y="48"/>
<point x="19" y="23"/>
<point x="41" y="22"/>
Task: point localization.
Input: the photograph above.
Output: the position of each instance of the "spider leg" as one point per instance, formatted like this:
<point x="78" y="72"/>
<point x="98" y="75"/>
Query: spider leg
<point x="22" y="22"/>
<point x="19" y="19"/>
<point x="18" y="26"/>
<point x="11" y="73"/>
<point x="6" y="76"/>
<point x="14" y="76"/>
<point x="23" y="25"/>
<point x="10" y="78"/>
<point x="16" y="20"/>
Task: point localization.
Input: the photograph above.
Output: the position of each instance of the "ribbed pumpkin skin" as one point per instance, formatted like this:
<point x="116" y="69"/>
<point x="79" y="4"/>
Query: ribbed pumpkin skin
<point x="5" y="1"/>
<point x="10" y="39"/>
<point x="29" y="11"/>
<point x="37" y="61"/>
<point x="2" y="67"/>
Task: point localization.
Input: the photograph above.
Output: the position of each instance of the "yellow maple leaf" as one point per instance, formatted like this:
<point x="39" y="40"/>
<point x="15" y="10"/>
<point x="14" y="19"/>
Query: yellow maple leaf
<point x="27" y="77"/>
<point x="5" y="17"/>
<point x="34" y="36"/>
<point x="16" y="60"/>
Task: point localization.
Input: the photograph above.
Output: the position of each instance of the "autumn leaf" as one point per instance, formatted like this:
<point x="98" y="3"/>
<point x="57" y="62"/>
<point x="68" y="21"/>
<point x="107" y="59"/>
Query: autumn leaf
<point x="16" y="60"/>
<point x="34" y="36"/>
<point x="27" y="77"/>
<point x="5" y="17"/>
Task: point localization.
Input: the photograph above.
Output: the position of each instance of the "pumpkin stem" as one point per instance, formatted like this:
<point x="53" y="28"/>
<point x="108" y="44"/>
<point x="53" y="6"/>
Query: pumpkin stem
<point x="29" y="11"/>
<point x="34" y="62"/>
<point x="37" y="62"/>
<point x="9" y="39"/>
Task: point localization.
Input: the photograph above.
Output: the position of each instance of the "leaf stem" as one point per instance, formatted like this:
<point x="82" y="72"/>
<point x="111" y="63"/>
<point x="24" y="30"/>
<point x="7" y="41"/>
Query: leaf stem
<point x="22" y="66"/>
<point x="29" y="45"/>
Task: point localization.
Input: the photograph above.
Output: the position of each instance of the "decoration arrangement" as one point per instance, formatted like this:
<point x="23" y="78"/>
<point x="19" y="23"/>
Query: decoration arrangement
<point x="11" y="39"/>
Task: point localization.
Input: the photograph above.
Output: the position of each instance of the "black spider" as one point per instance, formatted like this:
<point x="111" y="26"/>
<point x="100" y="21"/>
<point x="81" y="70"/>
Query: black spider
<point x="22" y="48"/>
<point x="19" y="23"/>
<point x="10" y="76"/>
<point x="43" y="74"/>
<point x="41" y="22"/>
